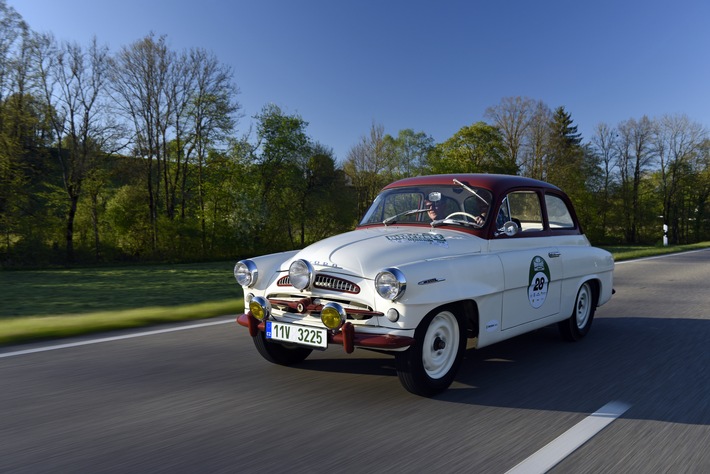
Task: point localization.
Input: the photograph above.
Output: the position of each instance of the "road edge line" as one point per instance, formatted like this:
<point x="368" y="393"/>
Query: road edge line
<point x="111" y="339"/>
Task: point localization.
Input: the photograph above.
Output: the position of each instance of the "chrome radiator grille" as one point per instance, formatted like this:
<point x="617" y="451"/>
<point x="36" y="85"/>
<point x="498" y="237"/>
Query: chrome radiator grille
<point x="327" y="282"/>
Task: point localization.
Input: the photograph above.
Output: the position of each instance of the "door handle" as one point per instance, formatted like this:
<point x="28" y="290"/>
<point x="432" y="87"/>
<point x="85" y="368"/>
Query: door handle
<point x="553" y="254"/>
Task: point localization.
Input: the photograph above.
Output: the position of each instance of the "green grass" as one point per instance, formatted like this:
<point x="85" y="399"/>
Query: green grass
<point x="627" y="252"/>
<point x="32" y="328"/>
<point x="44" y="304"/>
<point x="47" y="304"/>
<point x="84" y="290"/>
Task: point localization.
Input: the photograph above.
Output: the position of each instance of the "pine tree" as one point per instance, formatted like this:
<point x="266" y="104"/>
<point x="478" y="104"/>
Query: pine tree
<point x="565" y="165"/>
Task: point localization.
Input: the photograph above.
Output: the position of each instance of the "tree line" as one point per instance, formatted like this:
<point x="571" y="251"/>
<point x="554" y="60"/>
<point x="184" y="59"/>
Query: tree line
<point x="136" y="156"/>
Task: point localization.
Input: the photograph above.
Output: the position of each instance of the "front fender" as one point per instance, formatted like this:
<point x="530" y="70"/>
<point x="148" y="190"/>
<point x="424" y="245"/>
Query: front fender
<point x="435" y="283"/>
<point x="441" y="281"/>
<point x="268" y="266"/>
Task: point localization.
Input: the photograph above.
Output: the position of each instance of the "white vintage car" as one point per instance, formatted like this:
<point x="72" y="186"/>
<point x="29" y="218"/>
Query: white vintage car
<point x="436" y="262"/>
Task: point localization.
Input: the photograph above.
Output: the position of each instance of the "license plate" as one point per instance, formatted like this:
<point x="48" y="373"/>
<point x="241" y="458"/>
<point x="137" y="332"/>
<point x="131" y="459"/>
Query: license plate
<point x="304" y="335"/>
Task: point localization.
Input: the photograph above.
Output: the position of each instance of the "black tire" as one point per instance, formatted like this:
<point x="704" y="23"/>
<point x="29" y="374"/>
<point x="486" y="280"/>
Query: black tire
<point x="430" y="364"/>
<point x="279" y="354"/>
<point x="579" y="323"/>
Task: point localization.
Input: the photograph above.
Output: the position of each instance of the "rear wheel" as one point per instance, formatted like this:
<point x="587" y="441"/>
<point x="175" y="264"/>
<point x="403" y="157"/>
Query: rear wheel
<point x="430" y="364"/>
<point x="578" y="324"/>
<point x="279" y="354"/>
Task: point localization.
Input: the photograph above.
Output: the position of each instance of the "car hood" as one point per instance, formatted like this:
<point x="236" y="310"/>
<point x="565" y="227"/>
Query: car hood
<point x="365" y="252"/>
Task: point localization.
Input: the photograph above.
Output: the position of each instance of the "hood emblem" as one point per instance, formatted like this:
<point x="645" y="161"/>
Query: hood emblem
<point x="431" y="280"/>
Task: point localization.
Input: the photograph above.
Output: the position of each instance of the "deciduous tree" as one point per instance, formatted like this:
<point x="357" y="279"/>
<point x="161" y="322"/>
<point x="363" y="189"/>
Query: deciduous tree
<point x="678" y="144"/>
<point x="411" y="151"/>
<point x="512" y="118"/>
<point x="73" y="82"/>
<point x="210" y="121"/>
<point x="635" y="156"/>
<point x="605" y="146"/>
<point x="369" y="166"/>
<point x="476" y="148"/>
<point x="140" y="81"/>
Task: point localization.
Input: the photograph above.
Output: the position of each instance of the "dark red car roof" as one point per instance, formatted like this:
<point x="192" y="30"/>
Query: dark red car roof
<point x="498" y="183"/>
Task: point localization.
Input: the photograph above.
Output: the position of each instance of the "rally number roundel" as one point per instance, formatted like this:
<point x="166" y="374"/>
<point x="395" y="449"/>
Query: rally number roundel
<point x="539" y="281"/>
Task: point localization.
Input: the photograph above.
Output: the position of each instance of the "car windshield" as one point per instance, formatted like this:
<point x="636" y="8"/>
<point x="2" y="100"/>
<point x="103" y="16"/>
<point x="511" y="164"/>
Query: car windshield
<point x="454" y="204"/>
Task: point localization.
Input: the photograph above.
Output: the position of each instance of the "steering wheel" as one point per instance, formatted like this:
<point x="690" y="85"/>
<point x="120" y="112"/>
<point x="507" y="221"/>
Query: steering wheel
<point x="471" y="216"/>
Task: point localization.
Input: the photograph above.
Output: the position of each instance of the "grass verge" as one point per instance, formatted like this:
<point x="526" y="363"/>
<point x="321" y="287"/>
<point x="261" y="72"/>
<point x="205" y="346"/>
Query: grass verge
<point x="622" y="253"/>
<point x="34" y="328"/>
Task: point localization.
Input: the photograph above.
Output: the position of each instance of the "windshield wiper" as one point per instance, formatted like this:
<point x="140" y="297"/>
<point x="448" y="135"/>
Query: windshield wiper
<point x="393" y="219"/>
<point x="470" y="190"/>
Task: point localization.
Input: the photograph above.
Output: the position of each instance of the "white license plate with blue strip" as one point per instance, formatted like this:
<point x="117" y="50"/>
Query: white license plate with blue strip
<point x="303" y="335"/>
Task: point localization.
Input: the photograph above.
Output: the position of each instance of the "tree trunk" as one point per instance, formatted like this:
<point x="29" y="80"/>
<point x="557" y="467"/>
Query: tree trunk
<point x="73" y="200"/>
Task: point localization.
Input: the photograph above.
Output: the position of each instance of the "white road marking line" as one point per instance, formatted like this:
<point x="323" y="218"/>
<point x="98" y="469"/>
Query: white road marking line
<point x="561" y="447"/>
<point x="113" y="338"/>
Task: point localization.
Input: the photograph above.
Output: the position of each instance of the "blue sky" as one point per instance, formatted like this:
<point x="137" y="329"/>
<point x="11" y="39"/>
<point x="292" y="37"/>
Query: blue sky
<point x="432" y="66"/>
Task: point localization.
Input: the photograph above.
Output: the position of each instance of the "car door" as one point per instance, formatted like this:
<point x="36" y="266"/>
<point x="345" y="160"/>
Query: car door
<point x="532" y="266"/>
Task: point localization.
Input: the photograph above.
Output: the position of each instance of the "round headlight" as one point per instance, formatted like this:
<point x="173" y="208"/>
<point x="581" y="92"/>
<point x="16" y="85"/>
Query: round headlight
<point x="246" y="273"/>
<point x="390" y="284"/>
<point x="300" y="274"/>
<point x="333" y="315"/>
<point x="260" y="308"/>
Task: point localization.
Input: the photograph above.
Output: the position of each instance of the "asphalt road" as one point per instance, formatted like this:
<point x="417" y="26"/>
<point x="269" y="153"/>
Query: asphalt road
<point x="202" y="400"/>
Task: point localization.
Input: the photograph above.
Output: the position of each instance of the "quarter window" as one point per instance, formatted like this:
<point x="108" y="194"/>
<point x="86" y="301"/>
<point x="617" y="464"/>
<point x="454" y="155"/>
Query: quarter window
<point x="557" y="213"/>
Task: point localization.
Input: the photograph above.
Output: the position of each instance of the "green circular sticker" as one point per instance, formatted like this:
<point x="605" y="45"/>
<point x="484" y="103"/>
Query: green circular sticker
<point x="539" y="281"/>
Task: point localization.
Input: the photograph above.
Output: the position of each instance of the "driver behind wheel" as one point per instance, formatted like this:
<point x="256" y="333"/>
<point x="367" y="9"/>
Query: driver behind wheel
<point x="432" y="209"/>
<point x="480" y="216"/>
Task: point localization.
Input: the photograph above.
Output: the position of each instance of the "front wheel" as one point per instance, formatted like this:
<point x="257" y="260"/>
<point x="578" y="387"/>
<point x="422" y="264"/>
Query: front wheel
<point x="430" y="364"/>
<point x="578" y="324"/>
<point x="279" y="354"/>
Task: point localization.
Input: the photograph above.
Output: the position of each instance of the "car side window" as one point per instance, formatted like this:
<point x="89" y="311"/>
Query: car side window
<point x="557" y="213"/>
<point x="525" y="210"/>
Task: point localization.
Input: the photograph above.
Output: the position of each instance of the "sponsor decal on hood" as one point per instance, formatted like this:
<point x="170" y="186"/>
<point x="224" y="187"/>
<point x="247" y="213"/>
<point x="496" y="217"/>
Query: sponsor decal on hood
<point x="423" y="238"/>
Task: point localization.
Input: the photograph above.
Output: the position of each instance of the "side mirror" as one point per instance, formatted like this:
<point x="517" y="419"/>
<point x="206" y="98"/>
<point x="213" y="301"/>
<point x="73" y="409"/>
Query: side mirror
<point x="510" y="228"/>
